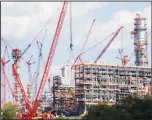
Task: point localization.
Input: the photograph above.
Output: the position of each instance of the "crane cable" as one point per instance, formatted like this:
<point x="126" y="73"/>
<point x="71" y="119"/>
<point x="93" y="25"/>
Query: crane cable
<point x="37" y="34"/>
<point x="6" y="43"/>
<point x="98" y="43"/>
<point x="46" y="24"/>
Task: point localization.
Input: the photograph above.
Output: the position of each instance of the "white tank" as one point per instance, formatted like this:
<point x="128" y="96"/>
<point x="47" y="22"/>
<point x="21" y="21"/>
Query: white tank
<point x="64" y="71"/>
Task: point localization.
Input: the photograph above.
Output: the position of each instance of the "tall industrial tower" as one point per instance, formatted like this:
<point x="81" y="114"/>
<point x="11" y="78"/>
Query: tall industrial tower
<point x="16" y="53"/>
<point x="140" y="41"/>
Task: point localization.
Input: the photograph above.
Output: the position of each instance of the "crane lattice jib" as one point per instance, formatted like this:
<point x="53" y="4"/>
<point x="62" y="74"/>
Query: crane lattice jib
<point x="38" y="68"/>
<point x="82" y="49"/>
<point x="28" y="107"/>
<point x="3" y="62"/>
<point x="87" y="38"/>
<point x="102" y="52"/>
<point x="50" y="56"/>
<point x="10" y="88"/>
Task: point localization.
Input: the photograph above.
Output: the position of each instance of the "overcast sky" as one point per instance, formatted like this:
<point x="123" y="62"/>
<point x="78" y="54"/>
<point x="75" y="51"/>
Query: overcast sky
<point x="21" y="22"/>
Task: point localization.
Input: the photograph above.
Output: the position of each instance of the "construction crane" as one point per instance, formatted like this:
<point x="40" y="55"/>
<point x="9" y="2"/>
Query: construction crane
<point x="50" y="57"/>
<point x="71" y="42"/>
<point x="78" y="57"/>
<point x="3" y="62"/>
<point x="31" y="112"/>
<point x="29" y="63"/>
<point x="103" y="51"/>
<point x="39" y="63"/>
<point x="124" y="58"/>
<point x="15" y="73"/>
<point x="7" y="81"/>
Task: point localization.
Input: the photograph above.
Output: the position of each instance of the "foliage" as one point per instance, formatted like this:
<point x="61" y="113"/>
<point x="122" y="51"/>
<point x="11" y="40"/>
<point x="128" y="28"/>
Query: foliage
<point x="129" y="108"/>
<point x="60" y="118"/>
<point x="9" y="111"/>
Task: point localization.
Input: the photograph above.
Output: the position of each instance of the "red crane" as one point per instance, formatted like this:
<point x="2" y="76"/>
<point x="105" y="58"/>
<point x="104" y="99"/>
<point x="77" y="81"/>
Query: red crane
<point x="15" y="73"/>
<point x="84" y="43"/>
<point x="50" y="57"/>
<point x="31" y="112"/>
<point x="5" y="80"/>
<point x="103" y="51"/>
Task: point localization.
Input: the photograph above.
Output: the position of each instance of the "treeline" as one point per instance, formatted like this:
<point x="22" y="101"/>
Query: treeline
<point x="129" y="108"/>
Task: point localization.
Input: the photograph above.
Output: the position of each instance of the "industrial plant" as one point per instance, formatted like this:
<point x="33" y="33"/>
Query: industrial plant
<point x="93" y="82"/>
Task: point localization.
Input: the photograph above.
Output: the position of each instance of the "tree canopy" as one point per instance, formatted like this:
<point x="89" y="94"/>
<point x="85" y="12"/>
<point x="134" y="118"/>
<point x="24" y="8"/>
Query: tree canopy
<point x="9" y="111"/>
<point x="129" y="108"/>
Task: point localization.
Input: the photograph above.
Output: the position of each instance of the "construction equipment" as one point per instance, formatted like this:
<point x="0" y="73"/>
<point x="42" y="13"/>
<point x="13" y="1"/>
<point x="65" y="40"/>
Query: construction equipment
<point x="29" y="68"/>
<point x="71" y="42"/>
<point x="103" y="51"/>
<point x="5" y="79"/>
<point x="124" y="58"/>
<point x="50" y="57"/>
<point x="39" y="45"/>
<point x="32" y="111"/>
<point x="78" y="57"/>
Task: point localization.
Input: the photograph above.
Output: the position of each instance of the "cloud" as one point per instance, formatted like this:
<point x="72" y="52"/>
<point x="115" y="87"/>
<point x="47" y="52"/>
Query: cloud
<point x="23" y="25"/>
<point x="34" y="16"/>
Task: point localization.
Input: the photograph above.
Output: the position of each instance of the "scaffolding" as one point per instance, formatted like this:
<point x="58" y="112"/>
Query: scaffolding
<point x="29" y="92"/>
<point x="97" y="82"/>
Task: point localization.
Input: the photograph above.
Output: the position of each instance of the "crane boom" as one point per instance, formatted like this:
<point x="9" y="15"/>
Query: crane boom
<point x="38" y="63"/>
<point x="3" y="62"/>
<point x="78" y="57"/>
<point x="87" y="38"/>
<point x="50" y="57"/>
<point x="27" y="103"/>
<point x="103" y="51"/>
<point x="9" y="86"/>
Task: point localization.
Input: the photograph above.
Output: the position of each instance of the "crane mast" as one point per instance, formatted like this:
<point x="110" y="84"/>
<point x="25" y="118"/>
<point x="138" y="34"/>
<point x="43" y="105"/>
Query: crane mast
<point x="103" y="51"/>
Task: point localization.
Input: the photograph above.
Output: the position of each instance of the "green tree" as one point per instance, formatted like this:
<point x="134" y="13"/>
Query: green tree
<point x="9" y="111"/>
<point x="130" y="108"/>
<point x="139" y="108"/>
<point x="103" y="111"/>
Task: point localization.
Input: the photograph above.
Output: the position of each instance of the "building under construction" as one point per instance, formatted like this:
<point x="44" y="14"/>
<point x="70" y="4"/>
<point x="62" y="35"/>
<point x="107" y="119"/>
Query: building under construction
<point x="93" y="82"/>
<point x="98" y="82"/>
<point x="103" y="82"/>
